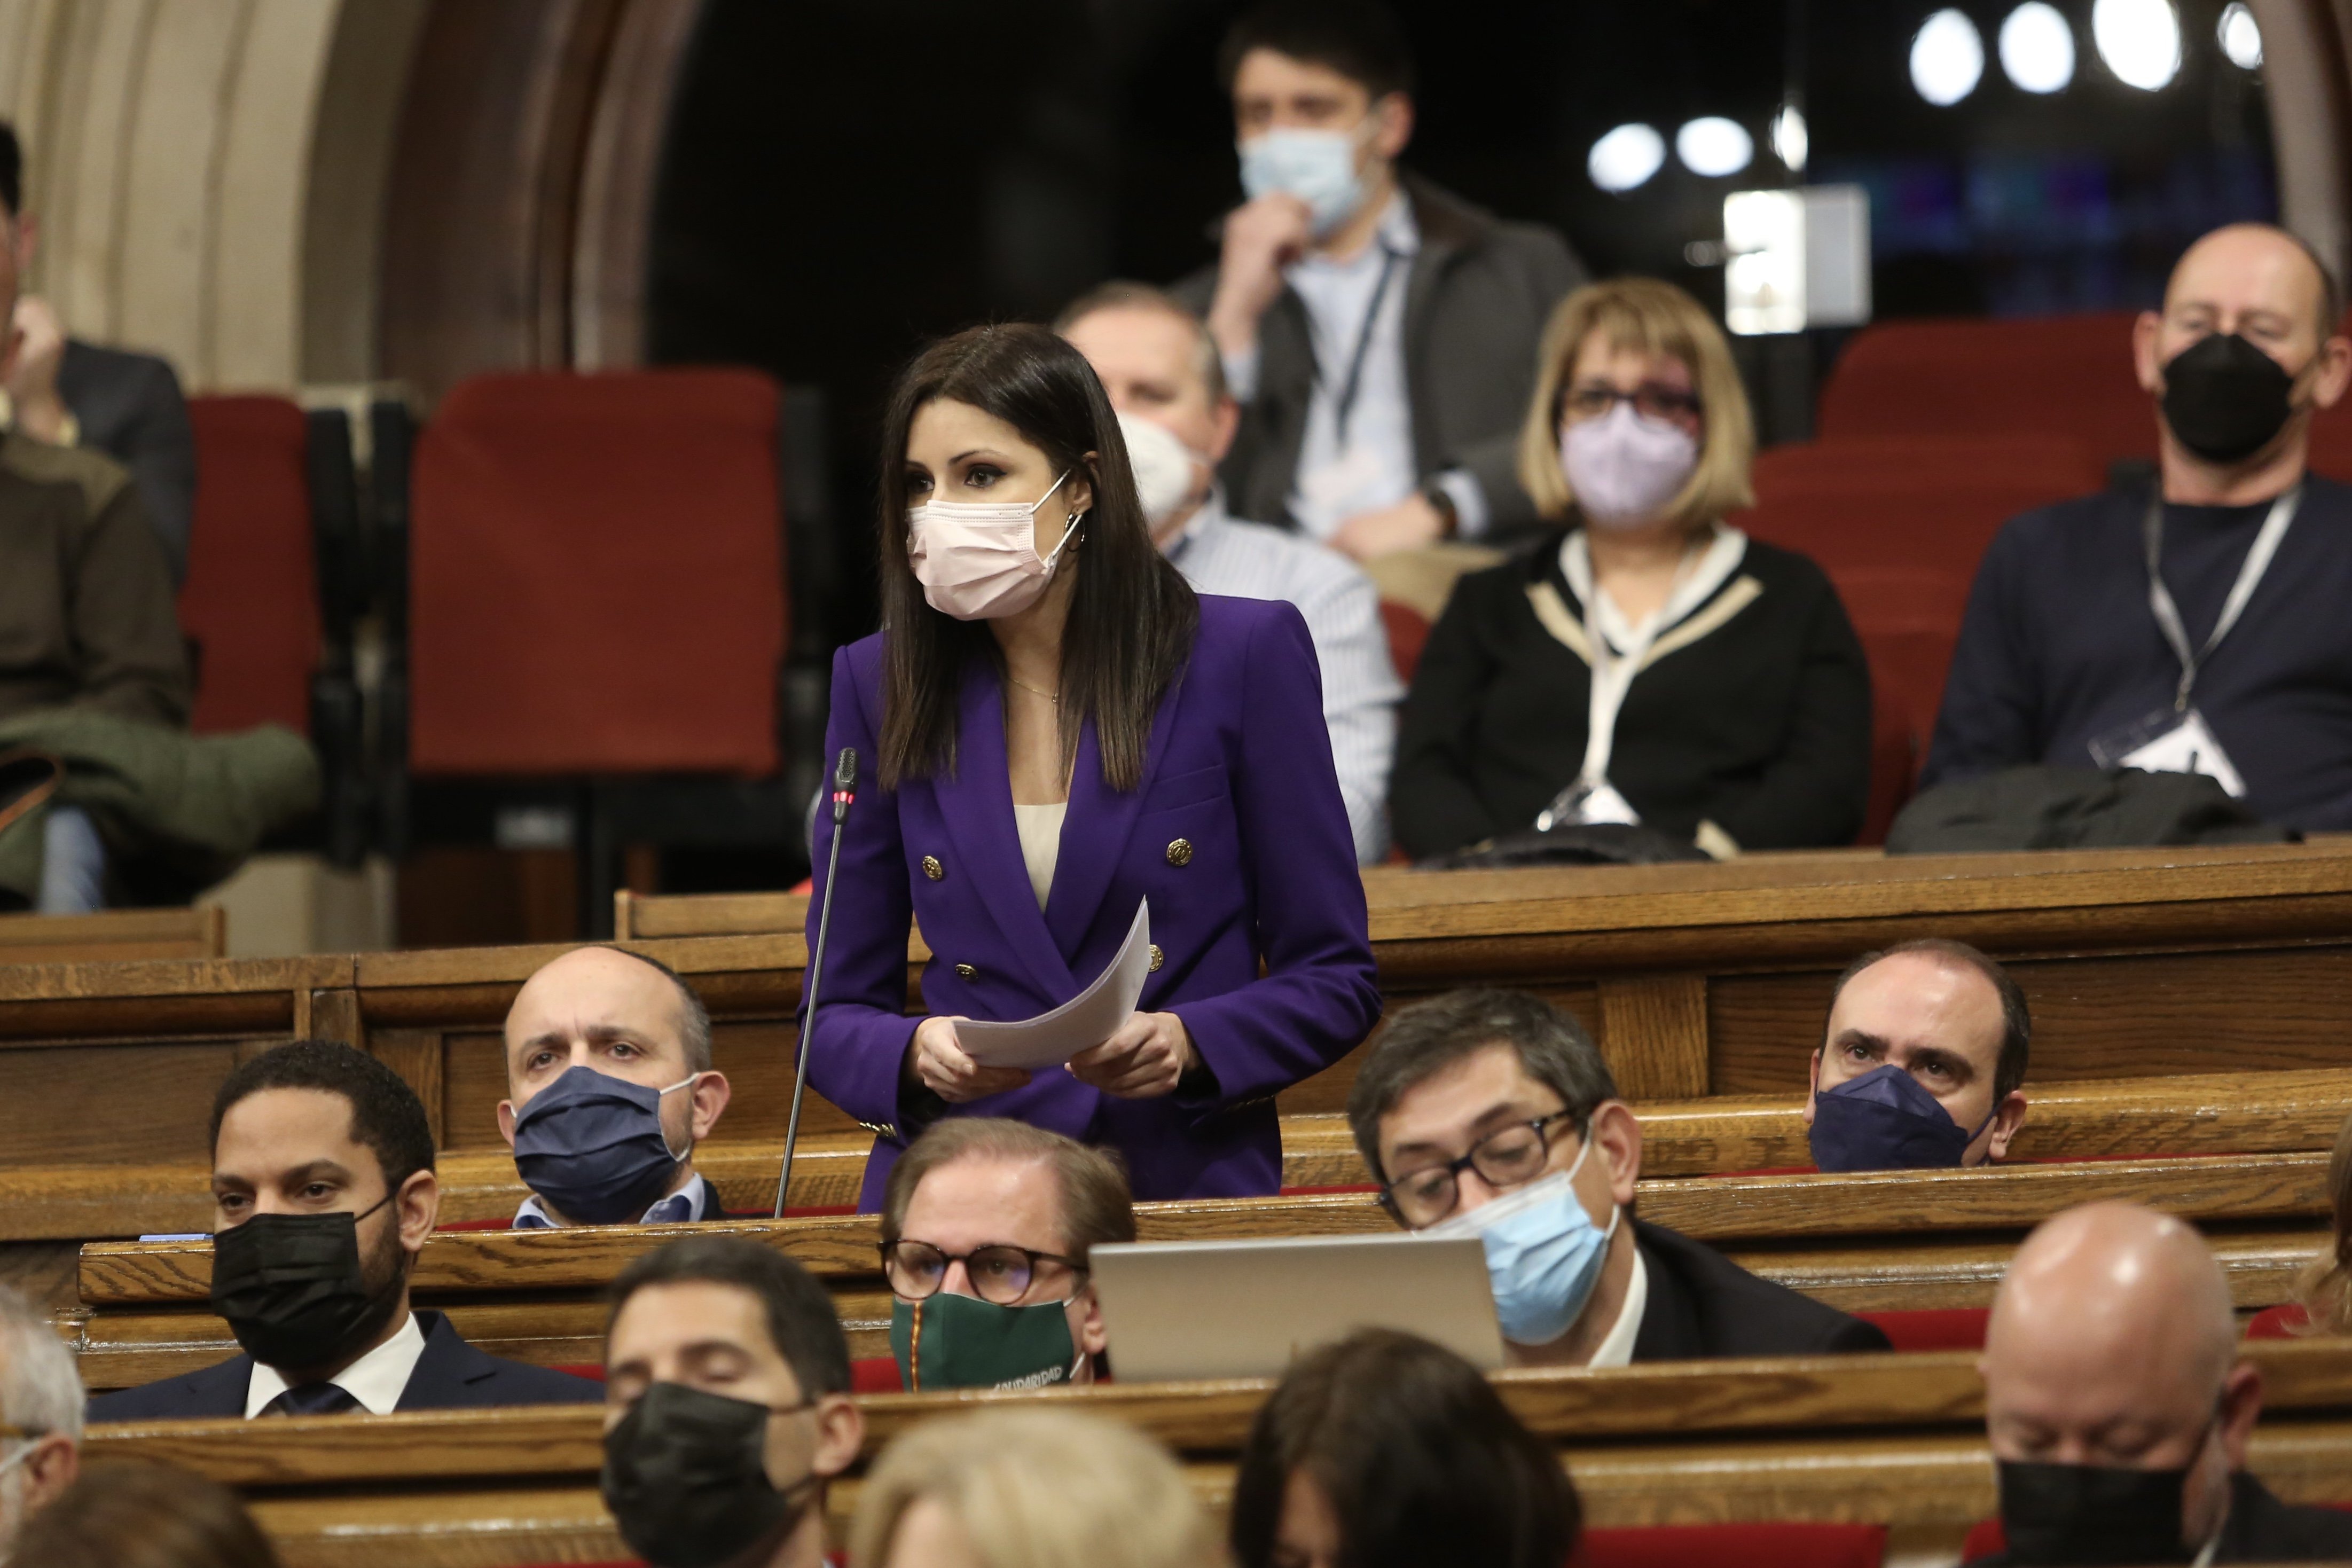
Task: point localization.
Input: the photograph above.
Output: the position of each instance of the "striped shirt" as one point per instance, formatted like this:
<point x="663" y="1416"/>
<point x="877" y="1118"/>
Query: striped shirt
<point x="1218" y="554"/>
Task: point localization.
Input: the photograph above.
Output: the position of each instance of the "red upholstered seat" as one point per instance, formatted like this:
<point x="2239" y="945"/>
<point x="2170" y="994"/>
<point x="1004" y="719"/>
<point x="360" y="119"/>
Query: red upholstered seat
<point x="2288" y="1321"/>
<point x="251" y="599"/>
<point x="597" y="576"/>
<point x="1934" y="1328"/>
<point x="1750" y="1546"/>
<point x="2063" y="374"/>
<point x="1408" y="635"/>
<point x="875" y="1375"/>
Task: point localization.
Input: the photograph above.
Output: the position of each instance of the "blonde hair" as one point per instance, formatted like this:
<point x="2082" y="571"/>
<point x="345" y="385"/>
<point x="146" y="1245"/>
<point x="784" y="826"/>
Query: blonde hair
<point x="1039" y="1489"/>
<point x="1651" y="316"/>
<point x="2325" y="1287"/>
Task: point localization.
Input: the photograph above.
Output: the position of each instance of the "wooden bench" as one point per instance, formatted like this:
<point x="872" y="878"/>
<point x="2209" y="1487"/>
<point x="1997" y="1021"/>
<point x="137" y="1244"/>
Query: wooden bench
<point x="1891" y="1440"/>
<point x="2213" y="1113"/>
<point x="113" y="936"/>
<point x="1884" y="1241"/>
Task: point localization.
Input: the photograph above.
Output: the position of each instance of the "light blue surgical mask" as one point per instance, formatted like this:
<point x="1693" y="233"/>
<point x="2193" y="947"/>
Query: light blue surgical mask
<point x="1543" y="1254"/>
<point x="1319" y="167"/>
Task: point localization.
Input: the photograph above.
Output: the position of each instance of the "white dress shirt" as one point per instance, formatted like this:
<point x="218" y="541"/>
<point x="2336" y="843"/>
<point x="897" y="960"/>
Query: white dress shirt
<point x="533" y="1214"/>
<point x="1617" y="1347"/>
<point x="1374" y="465"/>
<point x="1219" y="554"/>
<point x="376" y="1380"/>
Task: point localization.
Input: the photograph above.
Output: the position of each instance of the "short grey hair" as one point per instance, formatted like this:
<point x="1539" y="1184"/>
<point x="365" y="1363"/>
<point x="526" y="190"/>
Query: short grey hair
<point x="1421" y="1041"/>
<point x="694" y="1019"/>
<point x="1119" y="294"/>
<point x="41" y="1390"/>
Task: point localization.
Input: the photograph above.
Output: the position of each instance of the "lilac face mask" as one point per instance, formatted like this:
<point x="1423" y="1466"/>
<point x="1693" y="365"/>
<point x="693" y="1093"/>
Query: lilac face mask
<point x="1884" y="1121"/>
<point x="1624" y="469"/>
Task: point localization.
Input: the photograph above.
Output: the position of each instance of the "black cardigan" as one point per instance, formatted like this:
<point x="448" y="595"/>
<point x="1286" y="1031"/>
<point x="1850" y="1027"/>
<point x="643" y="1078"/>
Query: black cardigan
<point x="1761" y="725"/>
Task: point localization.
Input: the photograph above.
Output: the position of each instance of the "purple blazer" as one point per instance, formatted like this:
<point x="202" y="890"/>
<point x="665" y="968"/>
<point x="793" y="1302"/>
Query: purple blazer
<point x="1239" y="770"/>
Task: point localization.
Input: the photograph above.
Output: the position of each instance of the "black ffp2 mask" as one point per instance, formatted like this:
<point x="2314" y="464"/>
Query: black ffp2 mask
<point x="2225" y="399"/>
<point x="294" y="1291"/>
<point x="685" y="1475"/>
<point x="2066" y="1514"/>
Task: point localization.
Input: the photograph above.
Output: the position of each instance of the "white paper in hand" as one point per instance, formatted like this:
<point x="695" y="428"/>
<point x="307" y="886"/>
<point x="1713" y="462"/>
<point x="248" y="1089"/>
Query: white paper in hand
<point x="1082" y="1022"/>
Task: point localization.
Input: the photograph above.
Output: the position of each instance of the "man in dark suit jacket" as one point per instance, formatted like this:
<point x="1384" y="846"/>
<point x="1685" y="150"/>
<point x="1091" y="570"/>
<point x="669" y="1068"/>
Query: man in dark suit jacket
<point x="1492" y="1113"/>
<point x="324" y="1194"/>
<point x="2119" y="1411"/>
<point x="1380" y="332"/>
<point x="68" y="392"/>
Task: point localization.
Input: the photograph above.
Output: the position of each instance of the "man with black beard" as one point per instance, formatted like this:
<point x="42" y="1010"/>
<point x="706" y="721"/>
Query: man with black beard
<point x="727" y="1406"/>
<point x="2198" y="627"/>
<point x="323" y="1195"/>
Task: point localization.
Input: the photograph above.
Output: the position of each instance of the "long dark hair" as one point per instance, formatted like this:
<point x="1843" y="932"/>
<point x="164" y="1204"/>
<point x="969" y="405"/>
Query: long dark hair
<point x="1132" y="615"/>
<point x="1420" y="1458"/>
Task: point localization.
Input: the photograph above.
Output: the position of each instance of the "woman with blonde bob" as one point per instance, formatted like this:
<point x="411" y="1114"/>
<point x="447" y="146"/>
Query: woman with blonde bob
<point x="1028" y="1489"/>
<point x="1648" y="663"/>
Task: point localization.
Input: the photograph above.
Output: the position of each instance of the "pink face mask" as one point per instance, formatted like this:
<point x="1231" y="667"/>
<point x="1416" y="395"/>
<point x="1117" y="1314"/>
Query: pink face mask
<point x="1624" y="469"/>
<point x="978" y="562"/>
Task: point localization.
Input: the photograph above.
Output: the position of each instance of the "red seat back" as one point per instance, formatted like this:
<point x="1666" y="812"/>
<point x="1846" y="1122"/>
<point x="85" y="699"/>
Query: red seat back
<point x="251" y="599"/>
<point x="596" y="581"/>
<point x="1933" y="1327"/>
<point x="2288" y="1321"/>
<point x="1750" y="1546"/>
<point x="1408" y="635"/>
<point x="2062" y="374"/>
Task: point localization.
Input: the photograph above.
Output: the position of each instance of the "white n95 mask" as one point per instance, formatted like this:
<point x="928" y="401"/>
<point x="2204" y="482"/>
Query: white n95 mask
<point x="1166" y="470"/>
<point x="978" y="562"/>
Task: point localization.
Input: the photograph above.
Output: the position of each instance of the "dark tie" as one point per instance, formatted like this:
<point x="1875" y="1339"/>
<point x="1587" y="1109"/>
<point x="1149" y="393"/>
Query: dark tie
<point x="312" y="1399"/>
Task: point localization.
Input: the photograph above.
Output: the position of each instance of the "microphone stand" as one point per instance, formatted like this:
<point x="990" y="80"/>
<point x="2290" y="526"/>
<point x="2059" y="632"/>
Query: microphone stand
<point x="844" y="790"/>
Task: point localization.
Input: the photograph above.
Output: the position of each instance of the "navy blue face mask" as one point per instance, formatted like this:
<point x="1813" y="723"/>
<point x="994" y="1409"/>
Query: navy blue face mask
<point x="591" y="1144"/>
<point x="1884" y="1121"/>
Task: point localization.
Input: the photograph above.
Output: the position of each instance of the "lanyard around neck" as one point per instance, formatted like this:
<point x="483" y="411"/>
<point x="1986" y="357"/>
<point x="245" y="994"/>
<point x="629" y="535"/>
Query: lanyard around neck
<point x="2250" y="575"/>
<point x="1346" y="406"/>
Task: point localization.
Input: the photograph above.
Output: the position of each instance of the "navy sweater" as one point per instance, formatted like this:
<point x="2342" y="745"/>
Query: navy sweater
<point x="2059" y="646"/>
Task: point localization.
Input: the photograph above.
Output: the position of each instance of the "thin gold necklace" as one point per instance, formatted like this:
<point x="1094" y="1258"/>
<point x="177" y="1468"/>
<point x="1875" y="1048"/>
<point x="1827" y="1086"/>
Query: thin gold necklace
<point x="1053" y="696"/>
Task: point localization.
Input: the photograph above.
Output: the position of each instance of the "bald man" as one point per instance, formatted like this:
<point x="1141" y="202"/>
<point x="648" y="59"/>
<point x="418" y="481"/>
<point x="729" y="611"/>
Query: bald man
<point x="2118" y="1411"/>
<point x="2235" y="658"/>
<point x="609" y="1089"/>
<point x="1922" y="1063"/>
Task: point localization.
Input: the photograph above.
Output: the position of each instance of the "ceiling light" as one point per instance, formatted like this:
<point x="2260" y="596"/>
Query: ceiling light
<point x="1790" y="143"/>
<point x="2241" y="36"/>
<point x="1713" y="146"/>
<point x="1947" y="58"/>
<point x="2037" y="47"/>
<point x="1627" y="158"/>
<point x="2140" y="39"/>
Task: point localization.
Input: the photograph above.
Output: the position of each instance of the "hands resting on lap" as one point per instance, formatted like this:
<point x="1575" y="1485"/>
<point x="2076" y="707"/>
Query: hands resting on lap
<point x="1143" y="1059"/>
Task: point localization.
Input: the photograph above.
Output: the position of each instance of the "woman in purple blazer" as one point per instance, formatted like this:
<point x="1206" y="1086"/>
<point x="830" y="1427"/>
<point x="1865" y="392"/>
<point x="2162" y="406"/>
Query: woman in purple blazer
<point x="1051" y="728"/>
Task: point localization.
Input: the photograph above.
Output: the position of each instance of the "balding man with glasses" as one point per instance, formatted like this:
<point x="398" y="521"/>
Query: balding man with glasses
<point x="1491" y="1113"/>
<point x="987" y="1226"/>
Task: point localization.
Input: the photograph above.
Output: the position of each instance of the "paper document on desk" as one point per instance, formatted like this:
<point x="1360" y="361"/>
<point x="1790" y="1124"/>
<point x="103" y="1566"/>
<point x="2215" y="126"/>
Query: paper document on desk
<point x="1082" y="1022"/>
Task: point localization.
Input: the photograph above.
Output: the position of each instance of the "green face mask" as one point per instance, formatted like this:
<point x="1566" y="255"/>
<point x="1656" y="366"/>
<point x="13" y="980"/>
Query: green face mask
<point x="961" y="1341"/>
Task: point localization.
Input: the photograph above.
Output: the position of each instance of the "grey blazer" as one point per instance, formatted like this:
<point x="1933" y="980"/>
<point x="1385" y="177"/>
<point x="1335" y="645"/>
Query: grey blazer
<point x="1475" y="303"/>
<point x="130" y="407"/>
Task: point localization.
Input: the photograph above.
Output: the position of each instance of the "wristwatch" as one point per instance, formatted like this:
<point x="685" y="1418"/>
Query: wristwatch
<point x="1449" y="515"/>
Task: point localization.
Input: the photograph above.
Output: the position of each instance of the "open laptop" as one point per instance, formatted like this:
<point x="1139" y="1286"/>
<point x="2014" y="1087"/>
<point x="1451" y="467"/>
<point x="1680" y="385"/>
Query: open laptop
<point x="1177" y="1310"/>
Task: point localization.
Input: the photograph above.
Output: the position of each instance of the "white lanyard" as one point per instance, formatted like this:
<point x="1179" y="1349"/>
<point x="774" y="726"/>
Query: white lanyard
<point x="2250" y="575"/>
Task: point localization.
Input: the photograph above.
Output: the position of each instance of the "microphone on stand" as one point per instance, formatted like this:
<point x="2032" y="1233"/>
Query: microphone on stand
<point x="844" y="790"/>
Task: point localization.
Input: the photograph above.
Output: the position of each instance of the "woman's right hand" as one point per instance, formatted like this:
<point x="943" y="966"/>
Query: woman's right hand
<point x="936" y="1061"/>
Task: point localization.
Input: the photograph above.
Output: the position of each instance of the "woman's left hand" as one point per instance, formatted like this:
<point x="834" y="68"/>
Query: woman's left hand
<point x="1141" y="1060"/>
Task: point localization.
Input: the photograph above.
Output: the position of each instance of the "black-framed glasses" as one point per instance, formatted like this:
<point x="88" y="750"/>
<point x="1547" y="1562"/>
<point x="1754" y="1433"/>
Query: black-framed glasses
<point x="1508" y="1157"/>
<point x="999" y="1273"/>
<point x="1651" y="400"/>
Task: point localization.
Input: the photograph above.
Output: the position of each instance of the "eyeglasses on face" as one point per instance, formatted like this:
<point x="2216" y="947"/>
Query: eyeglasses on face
<point x="999" y="1273"/>
<point x="1651" y="400"/>
<point x="1509" y="1156"/>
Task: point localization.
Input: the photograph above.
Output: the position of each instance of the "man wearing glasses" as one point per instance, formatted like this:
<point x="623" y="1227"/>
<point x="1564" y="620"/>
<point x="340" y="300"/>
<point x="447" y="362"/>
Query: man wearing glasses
<point x="1491" y="1113"/>
<point x="986" y="1228"/>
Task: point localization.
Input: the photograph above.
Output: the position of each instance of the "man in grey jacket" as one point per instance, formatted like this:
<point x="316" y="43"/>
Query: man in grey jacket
<point x="1380" y="332"/>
